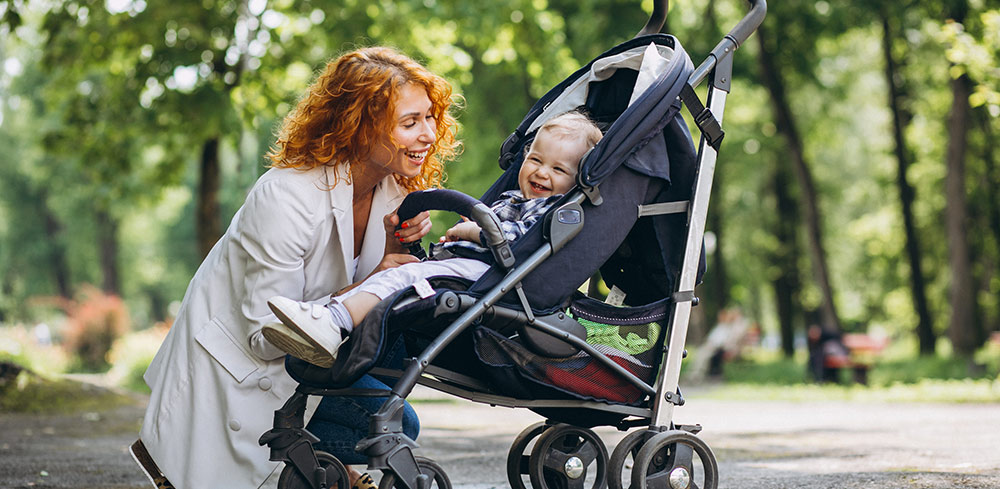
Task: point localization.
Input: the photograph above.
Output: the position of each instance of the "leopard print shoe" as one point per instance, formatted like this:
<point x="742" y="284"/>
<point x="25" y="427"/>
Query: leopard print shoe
<point x="142" y="457"/>
<point x="364" y="482"/>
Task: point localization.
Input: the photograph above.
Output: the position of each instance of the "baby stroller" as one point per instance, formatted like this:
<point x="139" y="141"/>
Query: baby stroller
<point x="523" y="335"/>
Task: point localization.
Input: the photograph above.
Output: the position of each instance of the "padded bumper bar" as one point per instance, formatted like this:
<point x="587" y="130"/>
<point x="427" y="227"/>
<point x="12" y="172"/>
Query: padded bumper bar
<point x="465" y="205"/>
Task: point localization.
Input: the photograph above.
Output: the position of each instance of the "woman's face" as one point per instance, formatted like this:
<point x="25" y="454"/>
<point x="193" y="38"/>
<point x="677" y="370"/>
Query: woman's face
<point x="414" y="130"/>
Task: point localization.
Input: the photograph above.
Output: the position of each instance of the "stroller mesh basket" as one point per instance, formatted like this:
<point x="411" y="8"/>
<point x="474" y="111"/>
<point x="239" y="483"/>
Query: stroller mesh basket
<point x="630" y="336"/>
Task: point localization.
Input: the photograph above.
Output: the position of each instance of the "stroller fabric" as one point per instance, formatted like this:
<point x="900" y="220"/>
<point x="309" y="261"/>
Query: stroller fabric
<point x="647" y="155"/>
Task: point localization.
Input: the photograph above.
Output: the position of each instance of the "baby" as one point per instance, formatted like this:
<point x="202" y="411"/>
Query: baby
<point x="314" y="332"/>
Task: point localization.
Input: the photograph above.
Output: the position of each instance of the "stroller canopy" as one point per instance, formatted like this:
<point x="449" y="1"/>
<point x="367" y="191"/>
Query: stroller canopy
<point x="646" y="156"/>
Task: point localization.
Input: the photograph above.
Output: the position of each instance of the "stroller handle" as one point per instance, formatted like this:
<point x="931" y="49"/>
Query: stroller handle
<point x="452" y="200"/>
<point x="656" y="18"/>
<point x="739" y="33"/>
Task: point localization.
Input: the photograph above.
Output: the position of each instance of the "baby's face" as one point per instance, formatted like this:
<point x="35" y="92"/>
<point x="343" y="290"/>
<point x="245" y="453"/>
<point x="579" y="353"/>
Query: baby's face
<point x="550" y="166"/>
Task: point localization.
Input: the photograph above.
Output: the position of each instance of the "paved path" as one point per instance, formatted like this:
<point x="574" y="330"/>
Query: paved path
<point x="759" y="444"/>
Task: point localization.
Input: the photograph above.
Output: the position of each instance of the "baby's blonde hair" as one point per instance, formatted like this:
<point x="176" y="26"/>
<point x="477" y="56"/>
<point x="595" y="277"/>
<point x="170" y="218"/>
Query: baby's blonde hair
<point x="572" y="123"/>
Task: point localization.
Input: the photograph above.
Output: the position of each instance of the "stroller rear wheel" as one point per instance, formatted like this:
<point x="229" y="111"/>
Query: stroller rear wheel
<point x="291" y="478"/>
<point x="519" y="456"/>
<point x="675" y="460"/>
<point x="568" y="457"/>
<point x="620" y="465"/>
<point x="428" y="467"/>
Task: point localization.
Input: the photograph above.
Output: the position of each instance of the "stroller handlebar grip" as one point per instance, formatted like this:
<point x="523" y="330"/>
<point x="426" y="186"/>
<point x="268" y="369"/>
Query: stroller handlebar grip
<point x="733" y="40"/>
<point x="441" y="199"/>
<point x="464" y="205"/>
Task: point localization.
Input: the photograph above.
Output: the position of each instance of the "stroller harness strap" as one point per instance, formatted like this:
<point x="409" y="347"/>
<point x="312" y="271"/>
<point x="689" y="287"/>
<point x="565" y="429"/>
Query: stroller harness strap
<point x="664" y="208"/>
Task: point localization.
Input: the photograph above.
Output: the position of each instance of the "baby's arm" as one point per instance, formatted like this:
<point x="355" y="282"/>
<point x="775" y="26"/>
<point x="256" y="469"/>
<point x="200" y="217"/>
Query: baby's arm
<point x="463" y="231"/>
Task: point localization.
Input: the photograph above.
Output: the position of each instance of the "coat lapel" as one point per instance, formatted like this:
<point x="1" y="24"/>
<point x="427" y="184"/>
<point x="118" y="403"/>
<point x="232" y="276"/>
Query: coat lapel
<point x="341" y="202"/>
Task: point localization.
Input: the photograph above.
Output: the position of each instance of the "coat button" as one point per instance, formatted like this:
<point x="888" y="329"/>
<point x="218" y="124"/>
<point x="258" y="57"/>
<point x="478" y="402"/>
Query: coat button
<point x="264" y="384"/>
<point x="234" y="424"/>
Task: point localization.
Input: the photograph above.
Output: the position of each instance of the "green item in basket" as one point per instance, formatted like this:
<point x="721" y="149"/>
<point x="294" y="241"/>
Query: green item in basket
<point x="629" y="339"/>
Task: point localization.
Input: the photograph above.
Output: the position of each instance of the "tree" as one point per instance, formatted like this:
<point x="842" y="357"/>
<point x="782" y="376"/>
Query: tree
<point x="973" y="50"/>
<point x="961" y="327"/>
<point x="785" y="121"/>
<point x="900" y="118"/>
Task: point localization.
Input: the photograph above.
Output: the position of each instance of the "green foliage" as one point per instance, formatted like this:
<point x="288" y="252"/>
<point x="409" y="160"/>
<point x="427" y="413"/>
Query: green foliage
<point x="20" y="346"/>
<point x="105" y="113"/>
<point x="29" y="392"/>
<point x="131" y="355"/>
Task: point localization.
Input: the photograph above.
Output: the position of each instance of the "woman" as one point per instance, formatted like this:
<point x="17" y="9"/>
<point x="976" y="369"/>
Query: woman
<point x="372" y="127"/>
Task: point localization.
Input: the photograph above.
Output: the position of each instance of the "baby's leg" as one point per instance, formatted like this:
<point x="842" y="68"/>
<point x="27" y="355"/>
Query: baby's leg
<point x="363" y="298"/>
<point x="359" y="305"/>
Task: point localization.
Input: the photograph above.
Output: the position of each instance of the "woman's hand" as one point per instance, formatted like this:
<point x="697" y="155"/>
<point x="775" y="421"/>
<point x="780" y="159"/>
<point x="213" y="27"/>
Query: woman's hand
<point x="410" y="231"/>
<point x="393" y="260"/>
<point x="463" y="231"/>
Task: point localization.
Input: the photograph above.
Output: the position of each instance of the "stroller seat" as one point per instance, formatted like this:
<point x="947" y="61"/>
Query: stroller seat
<point x="524" y="335"/>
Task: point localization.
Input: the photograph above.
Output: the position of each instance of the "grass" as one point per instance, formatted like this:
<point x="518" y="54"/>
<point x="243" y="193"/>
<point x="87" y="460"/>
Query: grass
<point x="28" y="392"/>
<point x="897" y="376"/>
<point x="930" y="390"/>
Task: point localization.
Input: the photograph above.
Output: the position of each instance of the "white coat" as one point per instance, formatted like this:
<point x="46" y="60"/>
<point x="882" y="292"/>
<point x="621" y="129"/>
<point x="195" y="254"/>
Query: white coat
<point x="215" y="380"/>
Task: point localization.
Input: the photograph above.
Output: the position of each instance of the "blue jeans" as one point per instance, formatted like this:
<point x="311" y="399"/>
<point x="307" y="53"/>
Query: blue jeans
<point x="340" y="422"/>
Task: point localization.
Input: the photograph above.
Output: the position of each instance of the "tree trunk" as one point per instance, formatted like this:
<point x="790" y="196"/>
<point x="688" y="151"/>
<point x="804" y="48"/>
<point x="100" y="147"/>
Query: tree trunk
<point x="785" y="123"/>
<point x="208" y="225"/>
<point x="57" y="249"/>
<point x="918" y="289"/>
<point x="107" y="248"/>
<point x="719" y="286"/>
<point x="961" y="329"/>
<point x="786" y="284"/>
<point x="990" y="182"/>
<point x="60" y="270"/>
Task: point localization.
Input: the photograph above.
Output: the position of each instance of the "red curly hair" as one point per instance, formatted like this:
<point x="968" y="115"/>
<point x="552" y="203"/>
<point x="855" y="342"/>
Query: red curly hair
<point x="349" y="108"/>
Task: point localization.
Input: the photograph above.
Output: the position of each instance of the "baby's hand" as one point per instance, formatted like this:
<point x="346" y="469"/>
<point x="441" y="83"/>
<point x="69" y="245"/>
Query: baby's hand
<point x="463" y="231"/>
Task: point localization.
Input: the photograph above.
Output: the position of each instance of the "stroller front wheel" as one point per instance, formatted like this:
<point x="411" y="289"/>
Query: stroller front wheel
<point x="438" y="479"/>
<point x="568" y="457"/>
<point x="291" y="478"/>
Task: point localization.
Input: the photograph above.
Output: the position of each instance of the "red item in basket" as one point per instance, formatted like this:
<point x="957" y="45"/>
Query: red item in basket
<point x="597" y="381"/>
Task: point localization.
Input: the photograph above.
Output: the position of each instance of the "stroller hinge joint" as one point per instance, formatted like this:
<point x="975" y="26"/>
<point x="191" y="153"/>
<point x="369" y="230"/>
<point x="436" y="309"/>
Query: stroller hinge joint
<point x="674" y="398"/>
<point x="685" y="296"/>
<point x="593" y="195"/>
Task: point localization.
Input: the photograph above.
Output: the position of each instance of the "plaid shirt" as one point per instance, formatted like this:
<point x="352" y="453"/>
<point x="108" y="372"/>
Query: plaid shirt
<point x="516" y="214"/>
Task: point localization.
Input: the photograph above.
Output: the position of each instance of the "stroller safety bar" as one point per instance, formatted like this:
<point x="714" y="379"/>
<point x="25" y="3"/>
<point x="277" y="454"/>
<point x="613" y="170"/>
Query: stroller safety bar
<point x="465" y="205"/>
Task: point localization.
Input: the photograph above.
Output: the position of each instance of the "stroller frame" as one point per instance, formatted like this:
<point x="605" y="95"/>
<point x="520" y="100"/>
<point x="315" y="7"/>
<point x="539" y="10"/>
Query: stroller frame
<point x="663" y="453"/>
